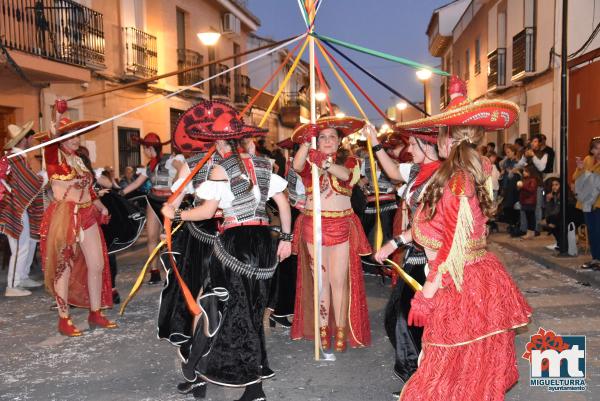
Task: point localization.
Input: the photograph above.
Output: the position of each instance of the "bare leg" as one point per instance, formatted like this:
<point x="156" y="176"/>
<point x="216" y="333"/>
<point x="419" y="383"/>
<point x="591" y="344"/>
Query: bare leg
<point x="325" y="300"/>
<point x="91" y="246"/>
<point x="61" y="289"/>
<point x="338" y="260"/>
<point x="153" y="226"/>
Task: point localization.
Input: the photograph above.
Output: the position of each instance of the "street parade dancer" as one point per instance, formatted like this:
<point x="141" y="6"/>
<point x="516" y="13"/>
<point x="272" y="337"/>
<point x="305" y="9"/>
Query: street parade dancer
<point x="74" y="256"/>
<point x="162" y="171"/>
<point x="342" y="304"/>
<point x="228" y="343"/>
<point x="21" y="211"/>
<point x="469" y="305"/>
<point x="283" y="290"/>
<point x="415" y="176"/>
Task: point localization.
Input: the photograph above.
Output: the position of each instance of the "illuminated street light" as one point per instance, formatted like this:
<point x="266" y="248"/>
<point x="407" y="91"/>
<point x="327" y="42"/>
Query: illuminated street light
<point x="320" y="96"/>
<point x="340" y="114"/>
<point x="423" y="74"/>
<point x="401" y="105"/>
<point x="209" y="38"/>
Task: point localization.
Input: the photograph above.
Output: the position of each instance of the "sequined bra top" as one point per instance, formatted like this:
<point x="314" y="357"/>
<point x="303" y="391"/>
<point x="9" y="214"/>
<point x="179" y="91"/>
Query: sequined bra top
<point x="64" y="167"/>
<point x="338" y="186"/>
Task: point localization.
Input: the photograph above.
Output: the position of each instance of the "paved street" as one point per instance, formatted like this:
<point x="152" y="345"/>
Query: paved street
<point x="131" y="364"/>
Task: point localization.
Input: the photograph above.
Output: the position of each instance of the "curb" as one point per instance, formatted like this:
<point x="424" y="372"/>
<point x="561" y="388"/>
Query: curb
<point x="579" y="275"/>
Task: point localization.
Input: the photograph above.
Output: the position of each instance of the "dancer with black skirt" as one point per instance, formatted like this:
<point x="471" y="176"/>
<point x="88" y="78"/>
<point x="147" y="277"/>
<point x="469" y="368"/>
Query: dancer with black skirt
<point x="228" y="344"/>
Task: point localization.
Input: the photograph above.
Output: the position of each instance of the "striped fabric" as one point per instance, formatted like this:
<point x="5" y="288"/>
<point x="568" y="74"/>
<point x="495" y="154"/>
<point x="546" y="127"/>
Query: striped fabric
<point x="26" y="194"/>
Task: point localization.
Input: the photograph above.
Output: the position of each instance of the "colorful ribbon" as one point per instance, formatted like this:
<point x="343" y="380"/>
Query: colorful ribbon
<point x="378" y="229"/>
<point x="414" y="284"/>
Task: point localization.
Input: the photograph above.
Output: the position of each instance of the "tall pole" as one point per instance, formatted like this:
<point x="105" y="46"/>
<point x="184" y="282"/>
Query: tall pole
<point x="564" y="182"/>
<point x="317" y="257"/>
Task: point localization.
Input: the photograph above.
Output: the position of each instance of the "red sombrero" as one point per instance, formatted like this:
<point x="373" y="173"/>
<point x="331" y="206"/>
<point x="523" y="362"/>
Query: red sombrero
<point x="151" y="139"/>
<point x="65" y="125"/>
<point x="491" y="114"/>
<point x="286" y="144"/>
<point x="346" y="125"/>
<point x="209" y="121"/>
<point x="429" y="135"/>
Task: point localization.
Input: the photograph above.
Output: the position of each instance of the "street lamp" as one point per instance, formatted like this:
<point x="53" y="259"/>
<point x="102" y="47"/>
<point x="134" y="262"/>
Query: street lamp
<point x="340" y="114"/>
<point x="209" y="38"/>
<point x="401" y="106"/>
<point x="320" y="96"/>
<point x="424" y="75"/>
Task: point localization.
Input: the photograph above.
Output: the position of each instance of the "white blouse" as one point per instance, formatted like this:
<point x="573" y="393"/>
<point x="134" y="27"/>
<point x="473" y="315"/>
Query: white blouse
<point x="221" y="191"/>
<point x="189" y="189"/>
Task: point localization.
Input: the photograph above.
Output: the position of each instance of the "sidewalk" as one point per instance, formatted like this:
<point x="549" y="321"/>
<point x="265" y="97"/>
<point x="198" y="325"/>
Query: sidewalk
<point x="536" y="250"/>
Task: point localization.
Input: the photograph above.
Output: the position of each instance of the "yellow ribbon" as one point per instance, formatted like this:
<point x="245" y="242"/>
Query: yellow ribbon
<point x="284" y="83"/>
<point x="378" y="229"/>
<point x="405" y="276"/>
<point x="140" y="279"/>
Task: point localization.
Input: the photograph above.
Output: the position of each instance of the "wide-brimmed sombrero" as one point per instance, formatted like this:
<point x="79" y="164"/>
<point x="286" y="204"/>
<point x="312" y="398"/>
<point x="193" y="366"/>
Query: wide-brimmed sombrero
<point x="16" y="133"/>
<point x="150" y="139"/>
<point x="345" y="125"/>
<point x="429" y="134"/>
<point x="209" y="121"/>
<point x="490" y="114"/>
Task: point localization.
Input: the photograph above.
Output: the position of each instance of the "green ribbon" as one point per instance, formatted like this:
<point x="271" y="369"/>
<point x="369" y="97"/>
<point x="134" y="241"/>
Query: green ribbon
<point x="383" y="55"/>
<point x="304" y="14"/>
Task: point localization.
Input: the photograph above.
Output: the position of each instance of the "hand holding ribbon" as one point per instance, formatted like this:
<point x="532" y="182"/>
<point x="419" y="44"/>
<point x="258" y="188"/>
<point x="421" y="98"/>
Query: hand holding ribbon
<point x="316" y="157"/>
<point x="420" y="309"/>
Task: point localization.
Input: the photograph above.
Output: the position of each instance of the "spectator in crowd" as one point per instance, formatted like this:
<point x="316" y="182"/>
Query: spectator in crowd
<point x="280" y="161"/>
<point x="491" y="147"/>
<point x="528" y="194"/>
<point x="129" y="176"/>
<point x="520" y="144"/>
<point x="553" y="210"/>
<point x="587" y="187"/>
<point x="537" y="158"/>
<point x="509" y="190"/>
<point x="551" y="155"/>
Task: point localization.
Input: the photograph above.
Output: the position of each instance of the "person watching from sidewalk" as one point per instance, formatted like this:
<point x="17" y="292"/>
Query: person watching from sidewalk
<point x="528" y="195"/>
<point x="587" y="188"/>
<point x="21" y="211"/>
<point x="554" y="213"/>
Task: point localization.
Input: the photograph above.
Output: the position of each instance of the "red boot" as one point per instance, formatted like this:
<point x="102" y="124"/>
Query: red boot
<point x="67" y="328"/>
<point x="325" y="337"/>
<point x="97" y="319"/>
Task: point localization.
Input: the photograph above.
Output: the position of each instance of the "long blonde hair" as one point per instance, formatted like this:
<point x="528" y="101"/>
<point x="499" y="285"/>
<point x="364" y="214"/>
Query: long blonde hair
<point x="463" y="157"/>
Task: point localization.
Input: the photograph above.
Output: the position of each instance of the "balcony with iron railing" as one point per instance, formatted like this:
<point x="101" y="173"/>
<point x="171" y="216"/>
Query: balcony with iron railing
<point x="497" y="69"/>
<point x="188" y="58"/>
<point x="221" y="86"/>
<point x="241" y="84"/>
<point x="140" y="53"/>
<point x="523" y="59"/>
<point x="293" y="105"/>
<point x="58" y="30"/>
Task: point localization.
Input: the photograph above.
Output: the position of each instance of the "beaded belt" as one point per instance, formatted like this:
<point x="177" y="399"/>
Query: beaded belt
<point x="382" y="197"/>
<point x="384" y="208"/>
<point x="229" y="260"/>
<point x="330" y="213"/>
<point x="84" y="205"/>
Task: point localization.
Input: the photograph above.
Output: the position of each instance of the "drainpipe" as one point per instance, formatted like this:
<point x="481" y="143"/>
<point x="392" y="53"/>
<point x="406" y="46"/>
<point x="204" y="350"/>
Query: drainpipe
<point x="564" y="70"/>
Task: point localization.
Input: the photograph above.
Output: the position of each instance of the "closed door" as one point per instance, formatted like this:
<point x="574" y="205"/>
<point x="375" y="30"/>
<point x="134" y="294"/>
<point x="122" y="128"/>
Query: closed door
<point x="129" y="151"/>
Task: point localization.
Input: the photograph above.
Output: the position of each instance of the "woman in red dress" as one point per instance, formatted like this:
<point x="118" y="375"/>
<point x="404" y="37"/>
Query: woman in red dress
<point x="343" y="304"/>
<point x="74" y="258"/>
<point x="469" y="305"/>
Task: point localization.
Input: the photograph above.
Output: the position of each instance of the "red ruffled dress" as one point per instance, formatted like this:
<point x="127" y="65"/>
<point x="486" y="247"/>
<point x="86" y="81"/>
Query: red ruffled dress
<point x="337" y="227"/>
<point x="61" y="228"/>
<point x="468" y="341"/>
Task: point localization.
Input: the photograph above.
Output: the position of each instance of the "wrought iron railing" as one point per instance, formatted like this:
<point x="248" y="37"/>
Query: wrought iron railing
<point x="497" y="68"/>
<point x="140" y="53"/>
<point x="187" y="58"/>
<point x="60" y="30"/>
<point x="524" y="52"/>
<point x="241" y="84"/>
<point x="220" y="86"/>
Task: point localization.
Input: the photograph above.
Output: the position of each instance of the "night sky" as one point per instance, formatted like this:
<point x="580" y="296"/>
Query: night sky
<point x="392" y="26"/>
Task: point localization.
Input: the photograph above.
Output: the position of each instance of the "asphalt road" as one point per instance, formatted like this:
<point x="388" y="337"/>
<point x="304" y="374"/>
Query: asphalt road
<point x="130" y="363"/>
